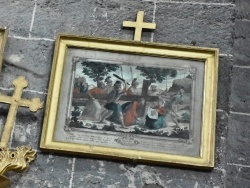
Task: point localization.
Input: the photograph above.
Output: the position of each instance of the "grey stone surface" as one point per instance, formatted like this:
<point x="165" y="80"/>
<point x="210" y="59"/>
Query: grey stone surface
<point x="199" y="1"/>
<point x="240" y="94"/>
<point x="95" y="173"/>
<point x="238" y="140"/>
<point x="29" y="58"/>
<point x="241" y="43"/>
<point x="209" y="23"/>
<point x="224" y="82"/>
<point x="242" y="9"/>
<point x="238" y="176"/>
<point x="16" y="15"/>
<point x="98" y="17"/>
<point x="27" y="131"/>
<point x="92" y="173"/>
<point x="152" y="186"/>
<point x="46" y="172"/>
<point x="221" y="138"/>
<point x="170" y="177"/>
<point x="198" y="24"/>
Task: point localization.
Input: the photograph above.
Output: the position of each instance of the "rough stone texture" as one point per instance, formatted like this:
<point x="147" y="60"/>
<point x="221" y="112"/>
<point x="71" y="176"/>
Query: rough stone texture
<point x="241" y="43"/>
<point x="16" y="15"/>
<point x="237" y="176"/>
<point x="224" y="82"/>
<point x="30" y="58"/>
<point x="106" y="174"/>
<point x="243" y="9"/>
<point x="152" y="186"/>
<point x="220" y="141"/>
<point x="27" y="131"/>
<point x="207" y="23"/>
<point x="92" y="173"/>
<point x="238" y="139"/>
<point x="196" y="1"/>
<point x="198" y="24"/>
<point x="93" y="17"/>
<point x="47" y="171"/>
<point x="240" y="96"/>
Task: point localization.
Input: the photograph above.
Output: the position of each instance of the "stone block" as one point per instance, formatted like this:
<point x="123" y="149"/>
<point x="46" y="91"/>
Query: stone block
<point x="170" y="177"/>
<point x="17" y="15"/>
<point x="240" y="93"/>
<point x="200" y="1"/>
<point x="28" y="58"/>
<point x="242" y="43"/>
<point x="238" y="139"/>
<point x="92" y="173"/>
<point x="220" y="139"/>
<point x="95" y="173"/>
<point x="152" y="186"/>
<point x="47" y="171"/>
<point x="28" y="130"/>
<point x="237" y="177"/>
<point x="224" y="82"/>
<point x="242" y="9"/>
<point x="101" y="18"/>
<point x="198" y="24"/>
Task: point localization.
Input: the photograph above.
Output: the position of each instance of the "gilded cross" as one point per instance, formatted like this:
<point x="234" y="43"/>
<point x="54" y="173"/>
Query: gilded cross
<point x="15" y="101"/>
<point x="139" y="25"/>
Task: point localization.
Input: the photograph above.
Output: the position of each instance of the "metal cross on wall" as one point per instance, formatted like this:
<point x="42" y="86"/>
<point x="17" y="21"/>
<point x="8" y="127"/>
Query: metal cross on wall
<point x="139" y="25"/>
<point x="15" y="101"/>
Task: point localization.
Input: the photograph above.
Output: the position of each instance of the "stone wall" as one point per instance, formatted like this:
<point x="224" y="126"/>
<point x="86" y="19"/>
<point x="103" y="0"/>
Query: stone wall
<point x="224" y="24"/>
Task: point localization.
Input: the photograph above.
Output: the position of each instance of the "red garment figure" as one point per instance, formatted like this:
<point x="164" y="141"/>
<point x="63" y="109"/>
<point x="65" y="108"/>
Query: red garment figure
<point x="130" y="114"/>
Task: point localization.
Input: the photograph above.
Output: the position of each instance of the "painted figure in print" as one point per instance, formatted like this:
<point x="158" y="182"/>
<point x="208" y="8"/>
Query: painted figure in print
<point x="112" y="96"/>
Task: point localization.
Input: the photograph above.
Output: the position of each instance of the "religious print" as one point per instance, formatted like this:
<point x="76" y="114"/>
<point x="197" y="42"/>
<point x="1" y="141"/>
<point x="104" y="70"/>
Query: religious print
<point x="132" y="100"/>
<point x="115" y="97"/>
<point x="128" y="101"/>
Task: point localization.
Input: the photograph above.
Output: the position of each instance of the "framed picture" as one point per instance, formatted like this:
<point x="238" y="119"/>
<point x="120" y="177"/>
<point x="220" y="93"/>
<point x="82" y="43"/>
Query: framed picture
<point x="138" y="101"/>
<point x="3" y="40"/>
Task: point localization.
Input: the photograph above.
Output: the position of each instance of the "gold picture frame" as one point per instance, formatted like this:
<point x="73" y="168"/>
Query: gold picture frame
<point x="3" y="40"/>
<point x="183" y="140"/>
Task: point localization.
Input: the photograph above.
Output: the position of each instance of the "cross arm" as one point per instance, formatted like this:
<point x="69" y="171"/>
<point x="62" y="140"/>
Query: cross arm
<point x="149" y="25"/>
<point x="129" y="24"/>
<point x="5" y="99"/>
<point x="33" y="104"/>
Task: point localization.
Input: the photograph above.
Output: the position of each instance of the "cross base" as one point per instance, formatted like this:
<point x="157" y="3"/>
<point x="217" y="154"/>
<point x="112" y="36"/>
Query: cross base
<point x="17" y="160"/>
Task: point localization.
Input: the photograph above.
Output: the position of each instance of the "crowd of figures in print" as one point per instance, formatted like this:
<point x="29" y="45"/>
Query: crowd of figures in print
<point x="133" y="99"/>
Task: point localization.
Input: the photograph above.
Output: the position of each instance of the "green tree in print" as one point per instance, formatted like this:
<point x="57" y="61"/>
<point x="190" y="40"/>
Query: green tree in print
<point x="98" y="70"/>
<point x="156" y="74"/>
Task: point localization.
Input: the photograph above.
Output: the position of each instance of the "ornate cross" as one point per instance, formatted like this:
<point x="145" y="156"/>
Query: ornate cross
<point x="15" y="101"/>
<point x="139" y="25"/>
